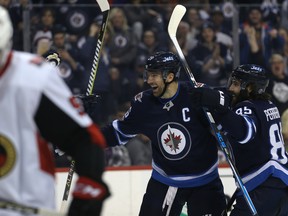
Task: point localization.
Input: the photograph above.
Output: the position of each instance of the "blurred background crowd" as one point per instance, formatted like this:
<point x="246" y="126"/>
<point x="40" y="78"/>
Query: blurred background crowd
<point x="215" y="36"/>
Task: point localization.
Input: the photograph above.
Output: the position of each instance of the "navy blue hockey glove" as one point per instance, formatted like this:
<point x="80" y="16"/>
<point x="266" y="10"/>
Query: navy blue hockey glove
<point x="214" y="100"/>
<point x="88" y="197"/>
<point x="89" y="102"/>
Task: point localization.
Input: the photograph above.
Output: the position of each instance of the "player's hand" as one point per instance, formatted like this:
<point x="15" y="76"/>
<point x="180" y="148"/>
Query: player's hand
<point x="88" y="197"/>
<point x="211" y="99"/>
<point x="89" y="102"/>
<point x="53" y="59"/>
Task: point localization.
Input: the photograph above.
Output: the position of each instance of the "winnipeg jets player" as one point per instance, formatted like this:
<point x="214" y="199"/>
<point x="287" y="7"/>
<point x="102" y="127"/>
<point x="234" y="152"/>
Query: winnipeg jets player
<point x="185" y="162"/>
<point x="37" y="108"/>
<point x="255" y="132"/>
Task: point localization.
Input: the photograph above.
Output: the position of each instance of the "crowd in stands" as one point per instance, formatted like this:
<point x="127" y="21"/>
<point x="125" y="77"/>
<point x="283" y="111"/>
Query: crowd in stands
<point x="137" y="29"/>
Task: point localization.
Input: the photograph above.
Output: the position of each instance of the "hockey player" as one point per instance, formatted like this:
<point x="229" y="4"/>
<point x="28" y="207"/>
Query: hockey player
<point x="36" y="108"/>
<point x="254" y="130"/>
<point x="185" y="162"/>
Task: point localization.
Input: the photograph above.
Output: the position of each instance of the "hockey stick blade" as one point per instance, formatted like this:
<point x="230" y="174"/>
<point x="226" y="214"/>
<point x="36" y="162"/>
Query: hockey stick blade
<point x="26" y="210"/>
<point x="104" y="5"/>
<point x="176" y="17"/>
<point x="174" y="21"/>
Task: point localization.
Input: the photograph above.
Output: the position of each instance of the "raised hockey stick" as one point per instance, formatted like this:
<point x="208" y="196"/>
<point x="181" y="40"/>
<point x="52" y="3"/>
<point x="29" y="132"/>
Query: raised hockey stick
<point x="177" y="15"/>
<point x="27" y="210"/>
<point x="105" y="9"/>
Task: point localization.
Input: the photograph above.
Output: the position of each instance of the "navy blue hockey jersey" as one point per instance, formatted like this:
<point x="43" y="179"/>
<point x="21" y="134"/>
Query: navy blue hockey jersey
<point x="260" y="153"/>
<point x="183" y="149"/>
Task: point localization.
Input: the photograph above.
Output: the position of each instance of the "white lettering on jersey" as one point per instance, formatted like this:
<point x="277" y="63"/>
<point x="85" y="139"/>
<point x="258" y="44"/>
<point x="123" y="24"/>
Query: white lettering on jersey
<point x="184" y="114"/>
<point x="272" y="113"/>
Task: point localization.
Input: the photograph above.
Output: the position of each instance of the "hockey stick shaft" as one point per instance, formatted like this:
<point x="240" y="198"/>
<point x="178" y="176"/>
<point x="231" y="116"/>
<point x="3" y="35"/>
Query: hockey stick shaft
<point x="105" y="9"/>
<point x="26" y="210"/>
<point x="177" y="15"/>
<point x="67" y="187"/>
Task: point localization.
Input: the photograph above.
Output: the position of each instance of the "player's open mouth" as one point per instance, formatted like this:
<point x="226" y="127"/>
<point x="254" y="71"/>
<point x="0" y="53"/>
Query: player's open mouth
<point x="154" y="88"/>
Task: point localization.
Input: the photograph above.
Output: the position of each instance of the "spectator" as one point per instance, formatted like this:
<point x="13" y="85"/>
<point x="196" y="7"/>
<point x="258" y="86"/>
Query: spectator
<point x="149" y="44"/>
<point x="278" y="85"/>
<point x="258" y="40"/>
<point x="223" y="28"/>
<point x="284" y="121"/>
<point x="209" y="59"/>
<point x="122" y="45"/>
<point x="184" y="37"/>
<point x="16" y="15"/>
<point x="284" y="34"/>
<point x="70" y="68"/>
<point x="76" y="15"/>
<point x="195" y="22"/>
<point x="37" y="108"/>
<point x="102" y="84"/>
<point x="43" y="34"/>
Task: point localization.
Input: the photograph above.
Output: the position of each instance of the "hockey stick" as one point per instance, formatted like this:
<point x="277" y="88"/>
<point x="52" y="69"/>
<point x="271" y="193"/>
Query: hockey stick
<point x="64" y="202"/>
<point x="26" y="210"/>
<point x="105" y="9"/>
<point x="177" y="15"/>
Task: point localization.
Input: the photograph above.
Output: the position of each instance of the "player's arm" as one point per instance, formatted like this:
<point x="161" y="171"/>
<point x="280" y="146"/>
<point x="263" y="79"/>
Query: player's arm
<point x="63" y="122"/>
<point x="120" y="131"/>
<point x="241" y="124"/>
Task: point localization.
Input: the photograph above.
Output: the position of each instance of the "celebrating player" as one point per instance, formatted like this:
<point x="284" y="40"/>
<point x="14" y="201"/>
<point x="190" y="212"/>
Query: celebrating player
<point x="254" y="130"/>
<point x="36" y="108"/>
<point x="185" y="162"/>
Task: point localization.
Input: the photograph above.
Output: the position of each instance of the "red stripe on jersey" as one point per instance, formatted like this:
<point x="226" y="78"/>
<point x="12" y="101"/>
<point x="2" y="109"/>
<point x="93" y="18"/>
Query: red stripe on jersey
<point x="45" y="156"/>
<point x="3" y="69"/>
<point x="96" y="135"/>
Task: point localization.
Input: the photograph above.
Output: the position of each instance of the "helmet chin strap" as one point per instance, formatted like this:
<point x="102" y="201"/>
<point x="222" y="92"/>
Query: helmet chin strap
<point x="165" y="87"/>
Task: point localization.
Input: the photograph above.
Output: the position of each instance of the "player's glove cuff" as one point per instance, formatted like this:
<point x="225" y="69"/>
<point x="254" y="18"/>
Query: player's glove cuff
<point x="214" y="100"/>
<point x="87" y="188"/>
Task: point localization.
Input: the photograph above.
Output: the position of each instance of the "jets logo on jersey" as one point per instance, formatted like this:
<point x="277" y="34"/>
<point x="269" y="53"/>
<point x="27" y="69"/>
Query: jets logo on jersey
<point x="7" y="156"/>
<point x="174" y="141"/>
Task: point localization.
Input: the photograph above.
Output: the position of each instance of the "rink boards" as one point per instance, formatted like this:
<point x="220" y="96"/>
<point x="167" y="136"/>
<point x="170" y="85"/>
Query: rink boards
<point x="127" y="185"/>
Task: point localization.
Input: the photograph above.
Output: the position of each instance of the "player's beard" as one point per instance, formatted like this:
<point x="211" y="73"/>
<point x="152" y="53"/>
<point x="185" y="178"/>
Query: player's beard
<point x="243" y="95"/>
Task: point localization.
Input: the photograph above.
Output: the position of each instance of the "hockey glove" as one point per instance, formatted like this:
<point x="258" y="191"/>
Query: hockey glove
<point x="88" y="197"/>
<point x="53" y="59"/>
<point x="89" y="102"/>
<point x="212" y="99"/>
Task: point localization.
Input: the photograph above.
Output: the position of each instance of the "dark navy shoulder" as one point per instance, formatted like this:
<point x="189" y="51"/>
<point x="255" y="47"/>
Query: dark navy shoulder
<point x="143" y="96"/>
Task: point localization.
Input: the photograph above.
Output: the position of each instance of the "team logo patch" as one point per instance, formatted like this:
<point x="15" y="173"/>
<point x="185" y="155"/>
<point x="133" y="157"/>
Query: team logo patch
<point x="7" y="156"/>
<point x="174" y="141"/>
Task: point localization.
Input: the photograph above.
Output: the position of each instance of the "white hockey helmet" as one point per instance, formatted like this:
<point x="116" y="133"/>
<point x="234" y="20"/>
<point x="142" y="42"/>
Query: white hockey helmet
<point x="5" y="35"/>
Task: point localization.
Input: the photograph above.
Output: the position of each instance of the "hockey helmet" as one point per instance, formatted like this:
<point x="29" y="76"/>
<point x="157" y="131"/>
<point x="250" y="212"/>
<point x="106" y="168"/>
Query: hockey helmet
<point x="6" y="34"/>
<point x="250" y="74"/>
<point x="165" y="62"/>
